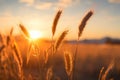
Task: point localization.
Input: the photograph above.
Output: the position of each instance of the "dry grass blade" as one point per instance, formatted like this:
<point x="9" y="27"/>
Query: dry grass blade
<point x="56" y="21"/>
<point x="83" y="23"/>
<point x="68" y="62"/>
<point x="60" y="39"/>
<point x="24" y="30"/>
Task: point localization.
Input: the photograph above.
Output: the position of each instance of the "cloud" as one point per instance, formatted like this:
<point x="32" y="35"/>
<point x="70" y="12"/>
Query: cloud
<point x="47" y="5"/>
<point x="64" y="3"/>
<point x="42" y="6"/>
<point x="114" y="1"/>
<point x="28" y="2"/>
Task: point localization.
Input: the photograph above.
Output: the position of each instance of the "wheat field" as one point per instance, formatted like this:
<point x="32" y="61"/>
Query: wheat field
<point x="22" y="58"/>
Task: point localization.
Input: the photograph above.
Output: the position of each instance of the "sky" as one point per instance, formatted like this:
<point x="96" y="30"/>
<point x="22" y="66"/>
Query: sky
<point x="39" y="15"/>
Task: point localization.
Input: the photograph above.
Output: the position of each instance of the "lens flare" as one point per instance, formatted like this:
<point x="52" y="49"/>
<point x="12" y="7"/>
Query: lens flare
<point x="34" y="34"/>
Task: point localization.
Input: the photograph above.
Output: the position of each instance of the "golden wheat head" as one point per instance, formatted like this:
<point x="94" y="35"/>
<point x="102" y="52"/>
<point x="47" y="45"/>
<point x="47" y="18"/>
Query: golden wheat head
<point x="60" y="39"/>
<point x="24" y="30"/>
<point x="68" y="62"/>
<point x="84" y="21"/>
<point x="56" y="21"/>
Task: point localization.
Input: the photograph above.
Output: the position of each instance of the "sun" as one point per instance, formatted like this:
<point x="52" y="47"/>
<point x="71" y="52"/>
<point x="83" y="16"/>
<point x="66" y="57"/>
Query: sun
<point x="34" y="34"/>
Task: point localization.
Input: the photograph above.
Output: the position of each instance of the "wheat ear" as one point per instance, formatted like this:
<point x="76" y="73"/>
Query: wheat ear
<point x="80" y="27"/>
<point x="83" y="22"/>
<point x="55" y="22"/>
<point x="60" y="39"/>
<point x="24" y="30"/>
<point x="17" y="53"/>
<point x="104" y="76"/>
<point x="68" y="62"/>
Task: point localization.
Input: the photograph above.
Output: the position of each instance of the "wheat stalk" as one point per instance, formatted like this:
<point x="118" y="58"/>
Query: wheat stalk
<point x="46" y="56"/>
<point x="81" y="28"/>
<point x="60" y="39"/>
<point x="68" y="62"/>
<point x="11" y="31"/>
<point x="2" y="40"/>
<point x="27" y="35"/>
<point x="49" y="74"/>
<point x="17" y="53"/>
<point x="104" y="76"/>
<point x="2" y="48"/>
<point x="13" y="66"/>
<point x="9" y="37"/>
<point x="55" y="22"/>
<point x="29" y="52"/>
<point x="24" y="30"/>
<point x="83" y="22"/>
<point x="101" y="72"/>
<point x="8" y="41"/>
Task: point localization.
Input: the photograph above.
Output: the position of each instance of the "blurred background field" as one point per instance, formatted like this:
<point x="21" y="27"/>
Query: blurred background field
<point x="90" y="59"/>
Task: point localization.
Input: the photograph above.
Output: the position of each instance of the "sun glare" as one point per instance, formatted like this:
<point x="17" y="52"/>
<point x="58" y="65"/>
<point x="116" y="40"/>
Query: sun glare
<point x="34" y="34"/>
